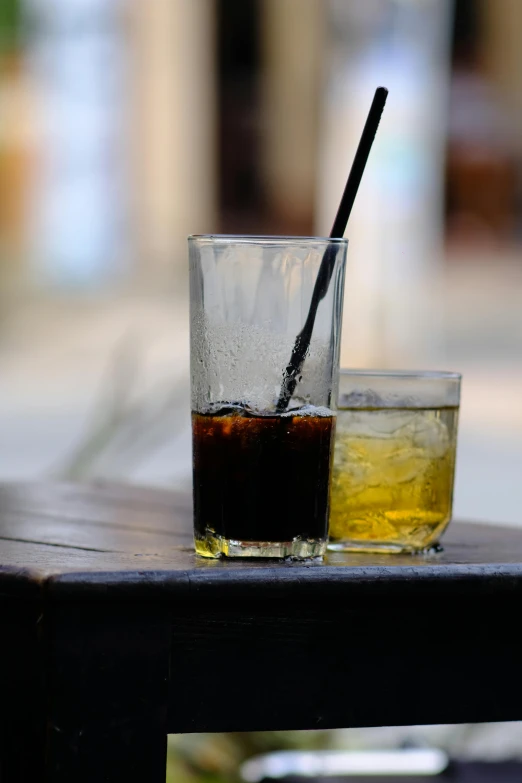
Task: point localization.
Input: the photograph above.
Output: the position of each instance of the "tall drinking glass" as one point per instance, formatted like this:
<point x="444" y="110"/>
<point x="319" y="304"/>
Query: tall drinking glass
<point x="262" y="474"/>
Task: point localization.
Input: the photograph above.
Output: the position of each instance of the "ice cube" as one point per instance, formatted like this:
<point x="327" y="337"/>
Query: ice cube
<point x="431" y="435"/>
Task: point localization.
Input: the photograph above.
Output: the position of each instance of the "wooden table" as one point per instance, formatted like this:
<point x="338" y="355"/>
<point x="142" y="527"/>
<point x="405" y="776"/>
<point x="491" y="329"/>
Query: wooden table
<point x="114" y="634"/>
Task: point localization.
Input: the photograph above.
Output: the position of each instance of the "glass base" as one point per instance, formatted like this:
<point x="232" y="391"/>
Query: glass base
<point x="382" y="547"/>
<point x="299" y="549"/>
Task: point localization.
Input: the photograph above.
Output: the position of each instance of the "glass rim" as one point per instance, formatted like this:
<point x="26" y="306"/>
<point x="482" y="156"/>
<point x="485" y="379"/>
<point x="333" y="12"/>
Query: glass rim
<point x="268" y="239"/>
<point x="431" y="375"/>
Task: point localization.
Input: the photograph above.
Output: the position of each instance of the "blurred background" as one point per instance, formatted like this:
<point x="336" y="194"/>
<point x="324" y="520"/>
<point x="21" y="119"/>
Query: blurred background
<point x="126" y="125"/>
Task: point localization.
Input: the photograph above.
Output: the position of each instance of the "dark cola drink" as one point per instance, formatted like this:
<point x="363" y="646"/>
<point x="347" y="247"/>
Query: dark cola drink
<point x="261" y="481"/>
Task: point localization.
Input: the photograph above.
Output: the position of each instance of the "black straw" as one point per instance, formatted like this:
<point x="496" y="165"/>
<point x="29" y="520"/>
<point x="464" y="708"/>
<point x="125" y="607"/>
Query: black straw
<point x="302" y="342"/>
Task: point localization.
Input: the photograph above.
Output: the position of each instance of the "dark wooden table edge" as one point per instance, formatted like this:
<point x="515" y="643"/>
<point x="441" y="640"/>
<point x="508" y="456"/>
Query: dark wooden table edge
<point x="296" y="581"/>
<point x="21" y="581"/>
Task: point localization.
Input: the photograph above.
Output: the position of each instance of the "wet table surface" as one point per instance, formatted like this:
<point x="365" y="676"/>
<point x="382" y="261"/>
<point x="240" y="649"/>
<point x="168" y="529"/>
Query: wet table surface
<point x="115" y="633"/>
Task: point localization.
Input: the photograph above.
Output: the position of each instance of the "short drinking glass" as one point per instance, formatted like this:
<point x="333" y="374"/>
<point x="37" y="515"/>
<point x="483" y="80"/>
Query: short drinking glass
<point x="394" y="463"/>
<point x="262" y="472"/>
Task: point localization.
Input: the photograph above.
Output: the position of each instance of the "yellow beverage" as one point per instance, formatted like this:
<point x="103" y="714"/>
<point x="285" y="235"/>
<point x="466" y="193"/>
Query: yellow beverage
<point x="392" y="484"/>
